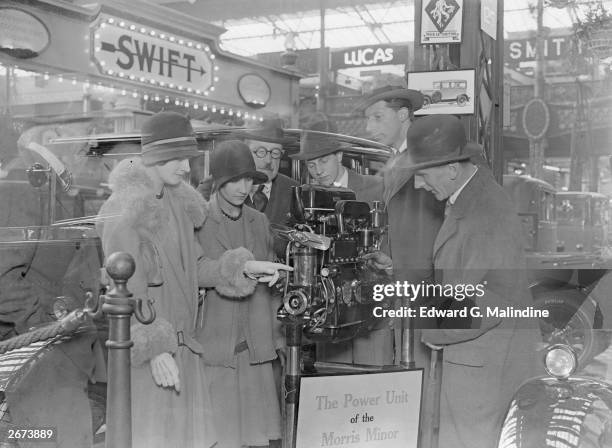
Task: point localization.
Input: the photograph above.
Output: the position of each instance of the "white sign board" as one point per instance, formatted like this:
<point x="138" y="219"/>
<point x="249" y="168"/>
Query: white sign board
<point x="488" y="17"/>
<point x="441" y="21"/>
<point x="374" y="410"/>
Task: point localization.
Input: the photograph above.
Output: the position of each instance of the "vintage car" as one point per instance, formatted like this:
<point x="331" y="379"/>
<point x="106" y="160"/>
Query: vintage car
<point x="562" y="409"/>
<point x="560" y="278"/>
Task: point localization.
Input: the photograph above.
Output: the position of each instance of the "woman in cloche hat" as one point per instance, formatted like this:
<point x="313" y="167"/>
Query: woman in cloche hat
<point x="240" y="337"/>
<point x="152" y="214"/>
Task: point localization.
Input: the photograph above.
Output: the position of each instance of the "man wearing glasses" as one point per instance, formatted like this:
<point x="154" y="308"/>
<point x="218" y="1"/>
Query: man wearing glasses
<point x="274" y="196"/>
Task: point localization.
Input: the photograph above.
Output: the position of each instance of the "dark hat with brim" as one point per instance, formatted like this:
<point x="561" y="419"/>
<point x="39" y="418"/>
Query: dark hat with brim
<point x="232" y="160"/>
<point x="270" y="131"/>
<point x="392" y="94"/>
<point x="437" y="140"/>
<point x="314" y="144"/>
<point x="167" y="136"/>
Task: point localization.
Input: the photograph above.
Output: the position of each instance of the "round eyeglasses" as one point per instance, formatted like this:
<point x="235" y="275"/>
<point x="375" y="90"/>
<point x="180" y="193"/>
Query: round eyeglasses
<point x="261" y="152"/>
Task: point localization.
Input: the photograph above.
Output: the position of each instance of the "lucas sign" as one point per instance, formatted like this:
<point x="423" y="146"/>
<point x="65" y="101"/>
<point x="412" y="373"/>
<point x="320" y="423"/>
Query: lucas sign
<point x="152" y="57"/>
<point x="369" y="56"/>
<point x="374" y="410"/>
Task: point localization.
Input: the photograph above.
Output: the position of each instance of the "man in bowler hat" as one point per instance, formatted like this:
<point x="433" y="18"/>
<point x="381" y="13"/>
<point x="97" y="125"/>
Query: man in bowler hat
<point x="479" y="243"/>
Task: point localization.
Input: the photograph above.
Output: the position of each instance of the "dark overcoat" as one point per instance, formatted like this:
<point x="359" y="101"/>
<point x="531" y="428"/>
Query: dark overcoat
<point x="480" y="243"/>
<point x="280" y="199"/>
<point x="367" y="188"/>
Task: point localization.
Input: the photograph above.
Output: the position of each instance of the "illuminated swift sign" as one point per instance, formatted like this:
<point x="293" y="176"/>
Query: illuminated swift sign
<point x="138" y="54"/>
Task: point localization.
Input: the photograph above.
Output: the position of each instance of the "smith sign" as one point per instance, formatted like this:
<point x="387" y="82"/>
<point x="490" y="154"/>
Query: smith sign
<point x="152" y="57"/>
<point x="522" y="50"/>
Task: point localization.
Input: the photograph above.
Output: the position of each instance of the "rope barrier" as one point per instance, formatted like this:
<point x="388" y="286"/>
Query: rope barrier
<point x="66" y="326"/>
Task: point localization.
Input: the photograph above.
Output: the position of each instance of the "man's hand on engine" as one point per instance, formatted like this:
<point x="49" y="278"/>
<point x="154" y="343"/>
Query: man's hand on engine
<point x="379" y="260"/>
<point x="165" y="371"/>
<point x="265" y="271"/>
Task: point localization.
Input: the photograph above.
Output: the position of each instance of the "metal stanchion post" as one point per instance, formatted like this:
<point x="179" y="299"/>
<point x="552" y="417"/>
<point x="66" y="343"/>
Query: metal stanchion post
<point x="119" y="305"/>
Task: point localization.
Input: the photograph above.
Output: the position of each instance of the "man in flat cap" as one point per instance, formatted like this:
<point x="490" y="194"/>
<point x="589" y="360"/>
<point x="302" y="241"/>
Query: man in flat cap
<point x="479" y="243"/>
<point x="413" y="216"/>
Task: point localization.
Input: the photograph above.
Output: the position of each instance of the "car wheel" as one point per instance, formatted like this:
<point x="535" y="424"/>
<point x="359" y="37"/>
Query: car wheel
<point x="462" y="100"/>
<point x="426" y="101"/>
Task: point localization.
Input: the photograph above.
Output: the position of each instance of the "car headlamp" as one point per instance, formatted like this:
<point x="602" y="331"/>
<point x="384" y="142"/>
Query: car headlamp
<point x="560" y="361"/>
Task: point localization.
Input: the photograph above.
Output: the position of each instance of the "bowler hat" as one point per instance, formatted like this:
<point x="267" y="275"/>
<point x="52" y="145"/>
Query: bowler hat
<point x="232" y="160"/>
<point x="393" y="95"/>
<point x="167" y="136"/>
<point x="437" y="140"/>
<point x="271" y="131"/>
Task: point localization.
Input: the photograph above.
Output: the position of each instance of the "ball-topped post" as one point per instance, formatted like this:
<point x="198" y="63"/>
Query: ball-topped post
<point x="119" y="306"/>
<point x="120" y="266"/>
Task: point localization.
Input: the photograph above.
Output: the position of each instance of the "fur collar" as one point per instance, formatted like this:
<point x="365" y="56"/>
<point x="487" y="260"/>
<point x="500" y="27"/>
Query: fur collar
<point x="133" y="200"/>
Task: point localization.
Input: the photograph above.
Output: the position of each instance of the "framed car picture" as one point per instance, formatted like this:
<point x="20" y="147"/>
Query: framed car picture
<point x="445" y="92"/>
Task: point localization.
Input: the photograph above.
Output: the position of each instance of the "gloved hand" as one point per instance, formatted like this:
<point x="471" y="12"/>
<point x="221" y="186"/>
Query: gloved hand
<point x="165" y="371"/>
<point x="379" y="260"/>
<point x="265" y="271"/>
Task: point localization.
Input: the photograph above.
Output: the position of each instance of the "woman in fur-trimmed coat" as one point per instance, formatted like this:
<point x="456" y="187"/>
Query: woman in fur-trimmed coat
<point x="159" y="233"/>
<point x="240" y="337"/>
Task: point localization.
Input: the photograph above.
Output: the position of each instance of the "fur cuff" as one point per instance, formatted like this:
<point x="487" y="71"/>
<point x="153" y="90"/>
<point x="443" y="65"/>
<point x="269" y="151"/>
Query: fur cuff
<point x="232" y="281"/>
<point x="152" y="340"/>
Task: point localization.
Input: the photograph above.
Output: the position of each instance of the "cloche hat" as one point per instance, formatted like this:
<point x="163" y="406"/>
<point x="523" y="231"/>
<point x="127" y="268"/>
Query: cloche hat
<point x="232" y="160"/>
<point x="167" y="136"/>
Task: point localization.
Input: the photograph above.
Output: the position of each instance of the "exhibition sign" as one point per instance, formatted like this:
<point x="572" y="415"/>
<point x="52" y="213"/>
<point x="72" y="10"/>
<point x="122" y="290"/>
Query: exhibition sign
<point x="441" y="21"/>
<point x="374" y="410"/>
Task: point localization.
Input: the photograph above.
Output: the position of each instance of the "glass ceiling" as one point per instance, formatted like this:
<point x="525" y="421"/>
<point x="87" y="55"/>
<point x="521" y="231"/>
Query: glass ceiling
<point x="381" y="22"/>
